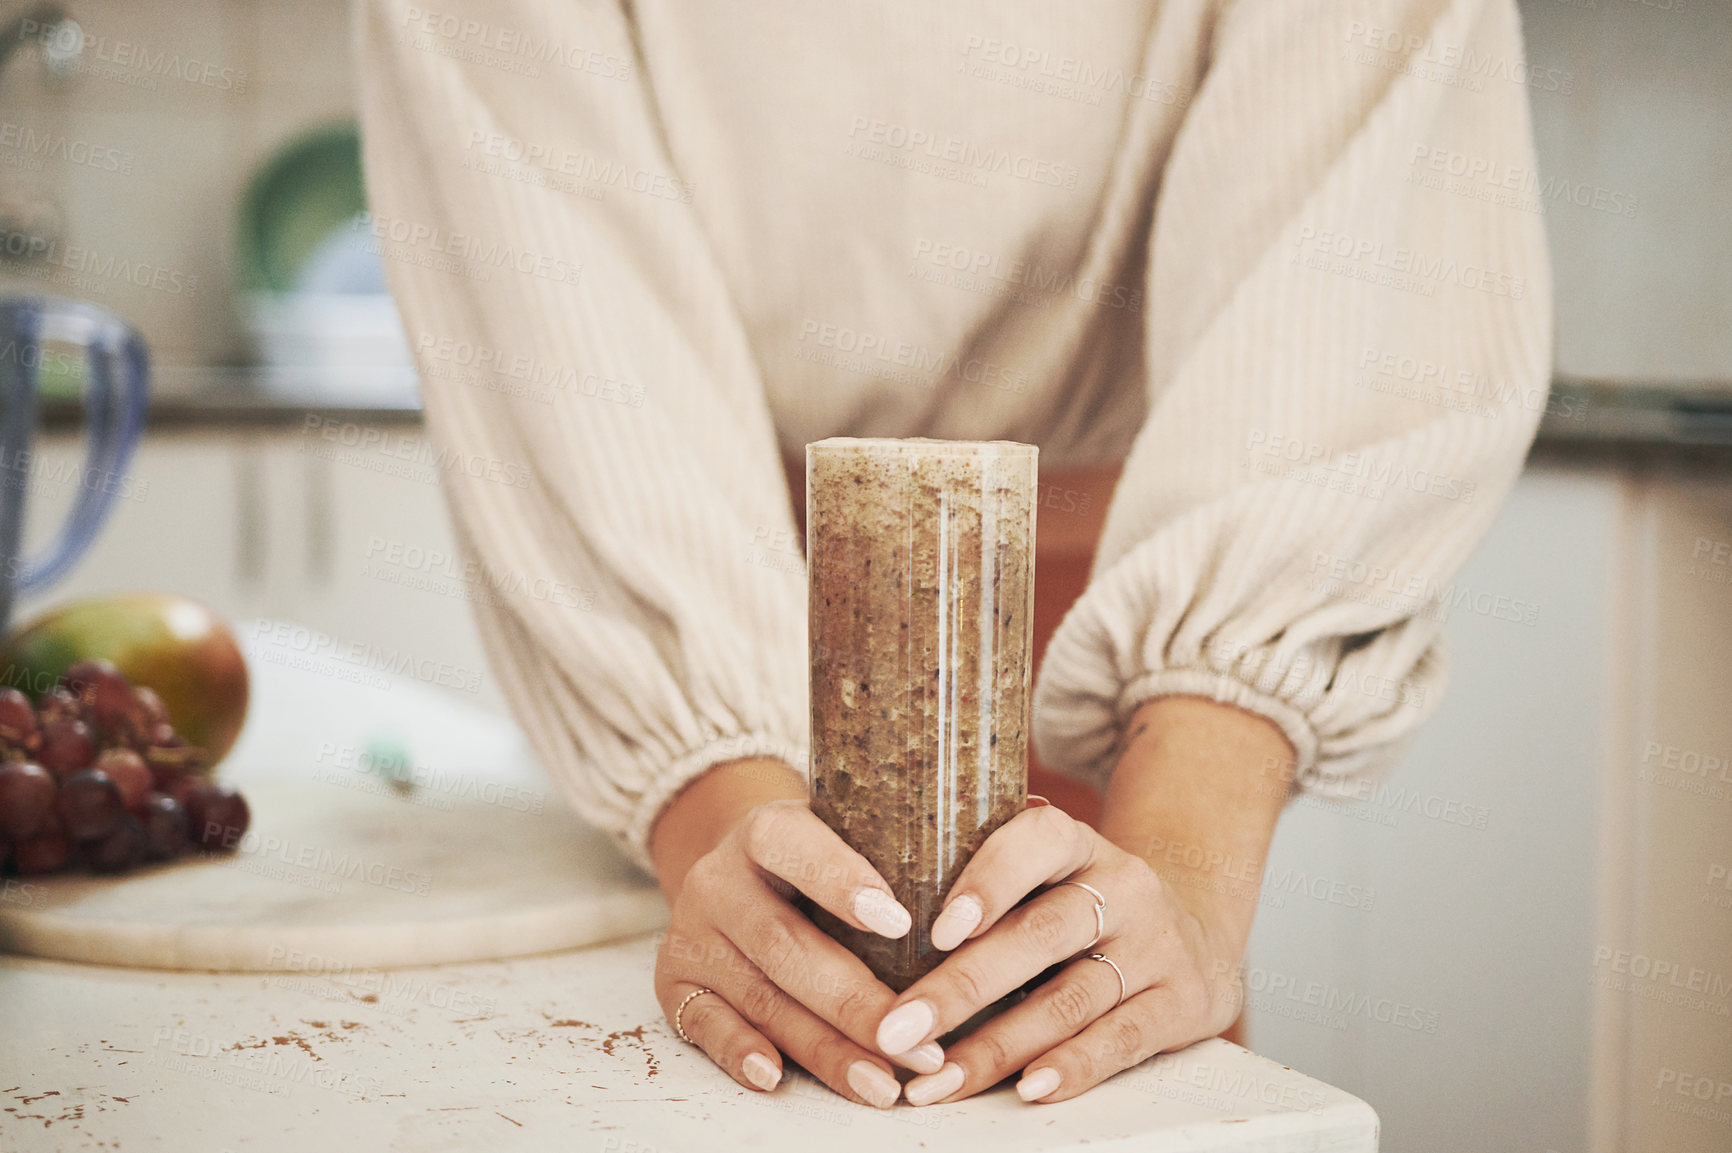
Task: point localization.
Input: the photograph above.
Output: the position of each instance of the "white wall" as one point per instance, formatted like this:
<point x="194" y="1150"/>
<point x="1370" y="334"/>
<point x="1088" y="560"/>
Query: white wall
<point x="183" y="149"/>
<point x="1636" y="182"/>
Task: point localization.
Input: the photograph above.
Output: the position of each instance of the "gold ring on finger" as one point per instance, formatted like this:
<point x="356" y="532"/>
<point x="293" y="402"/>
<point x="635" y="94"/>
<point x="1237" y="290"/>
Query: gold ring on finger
<point x="1100" y="911"/>
<point x="699" y="992"/>
<point x="1116" y="969"/>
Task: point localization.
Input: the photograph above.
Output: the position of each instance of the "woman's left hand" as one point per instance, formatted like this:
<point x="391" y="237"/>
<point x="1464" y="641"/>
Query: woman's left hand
<point x="1072" y="1031"/>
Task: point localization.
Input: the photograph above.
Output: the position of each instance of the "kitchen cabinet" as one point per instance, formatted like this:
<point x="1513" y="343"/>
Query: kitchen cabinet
<point x="268" y="523"/>
<point x="1662" y="965"/>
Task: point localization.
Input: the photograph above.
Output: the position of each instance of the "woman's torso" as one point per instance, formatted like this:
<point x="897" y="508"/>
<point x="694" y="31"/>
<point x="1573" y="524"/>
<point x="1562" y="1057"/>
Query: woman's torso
<point x="932" y="218"/>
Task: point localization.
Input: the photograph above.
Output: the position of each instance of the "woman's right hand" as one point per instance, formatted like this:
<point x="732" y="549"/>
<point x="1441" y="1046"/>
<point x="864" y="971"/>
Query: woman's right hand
<point x="780" y="985"/>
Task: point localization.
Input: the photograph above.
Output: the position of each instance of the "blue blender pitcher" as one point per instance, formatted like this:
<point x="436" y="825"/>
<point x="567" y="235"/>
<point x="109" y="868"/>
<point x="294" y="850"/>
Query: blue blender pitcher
<point x="116" y="388"/>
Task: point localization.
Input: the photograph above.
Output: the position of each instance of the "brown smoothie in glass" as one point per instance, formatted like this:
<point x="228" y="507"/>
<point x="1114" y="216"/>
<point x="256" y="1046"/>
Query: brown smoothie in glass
<point x="921" y="565"/>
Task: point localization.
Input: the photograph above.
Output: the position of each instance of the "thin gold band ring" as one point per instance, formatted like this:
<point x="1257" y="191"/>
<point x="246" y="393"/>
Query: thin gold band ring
<point x="680" y="1012"/>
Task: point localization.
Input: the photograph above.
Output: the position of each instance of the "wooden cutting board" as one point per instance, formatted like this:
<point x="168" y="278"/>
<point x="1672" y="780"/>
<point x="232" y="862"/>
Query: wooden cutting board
<point x="483" y="861"/>
<point x="334" y="878"/>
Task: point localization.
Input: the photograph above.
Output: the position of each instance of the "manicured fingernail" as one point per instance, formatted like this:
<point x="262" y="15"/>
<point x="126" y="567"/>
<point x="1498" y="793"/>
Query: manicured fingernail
<point x="880" y="912"/>
<point x="956" y="922"/>
<point x="1035" y="801"/>
<point x="1037" y="1084"/>
<point x="927" y="1058"/>
<point x="904" y="1026"/>
<point x="926" y="1090"/>
<point x="874" y="1084"/>
<point x="761" y="1071"/>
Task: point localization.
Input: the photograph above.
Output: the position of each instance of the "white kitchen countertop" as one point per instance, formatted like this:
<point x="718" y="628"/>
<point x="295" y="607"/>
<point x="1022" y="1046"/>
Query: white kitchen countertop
<point x="566" y="1051"/>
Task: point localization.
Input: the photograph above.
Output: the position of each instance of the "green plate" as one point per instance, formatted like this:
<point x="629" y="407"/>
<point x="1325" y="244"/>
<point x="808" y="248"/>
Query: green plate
<point x="307" y="190"/>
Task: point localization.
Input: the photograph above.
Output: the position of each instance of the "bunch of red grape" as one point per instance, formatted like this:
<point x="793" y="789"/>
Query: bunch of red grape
<point x="95" y="776"/>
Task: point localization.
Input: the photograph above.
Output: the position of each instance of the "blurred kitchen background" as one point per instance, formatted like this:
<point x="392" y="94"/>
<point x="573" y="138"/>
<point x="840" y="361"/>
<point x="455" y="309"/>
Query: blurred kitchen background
<point x="1523" y="944"/>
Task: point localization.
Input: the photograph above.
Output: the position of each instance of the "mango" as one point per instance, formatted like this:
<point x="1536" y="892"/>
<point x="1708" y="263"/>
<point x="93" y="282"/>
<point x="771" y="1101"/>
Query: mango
<point x="173" y="644"/>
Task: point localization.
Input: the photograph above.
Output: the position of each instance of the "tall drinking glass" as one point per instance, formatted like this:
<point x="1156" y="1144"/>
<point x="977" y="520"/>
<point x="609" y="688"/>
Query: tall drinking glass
<point x="921" y="565"/>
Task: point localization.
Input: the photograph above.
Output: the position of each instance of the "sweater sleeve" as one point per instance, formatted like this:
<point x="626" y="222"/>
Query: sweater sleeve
<point x="604" y="440"/>
<point x="1348" y="335"/>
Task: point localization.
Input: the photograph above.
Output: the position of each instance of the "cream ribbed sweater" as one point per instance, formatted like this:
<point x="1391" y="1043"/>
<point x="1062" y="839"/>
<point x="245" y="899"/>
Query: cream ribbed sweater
<point x="1258" y="249"/>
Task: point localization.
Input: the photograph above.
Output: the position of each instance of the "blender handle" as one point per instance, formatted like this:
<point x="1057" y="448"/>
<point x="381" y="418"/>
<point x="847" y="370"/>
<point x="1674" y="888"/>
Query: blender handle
<point x="116" y="403"/>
